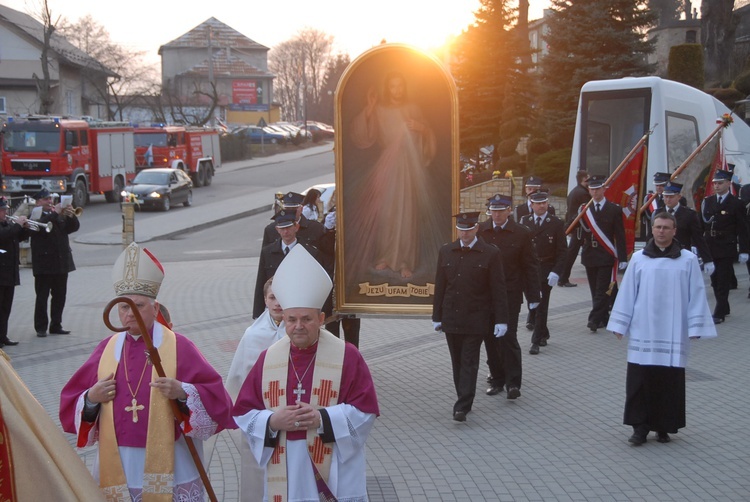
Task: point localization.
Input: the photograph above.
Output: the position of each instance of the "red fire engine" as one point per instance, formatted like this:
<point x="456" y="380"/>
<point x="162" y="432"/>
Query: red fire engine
<point x="67" y="156"/>
<point x="194" y="150"/>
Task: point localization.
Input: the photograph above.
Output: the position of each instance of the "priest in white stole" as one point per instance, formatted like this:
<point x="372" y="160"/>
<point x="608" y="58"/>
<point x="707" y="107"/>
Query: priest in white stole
<point x="117" y="400"/>
<point x="661" y="305"/>
<point x="309" y="403"/>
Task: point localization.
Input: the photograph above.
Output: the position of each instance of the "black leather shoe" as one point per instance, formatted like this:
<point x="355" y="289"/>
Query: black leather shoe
<point x="514" y="393"/>
<point x="529" y="326"/>
<point x="534" y="349"/>
<point x="592" y="326"/>
<point x="8" y="342"/>
<point x="459" y="416"/>
<point x="718" y="320"/>
<point x="59" y="332"/>
<point x="662" y="437"/>
<point x="493" y="391"/>
<point x="41" y="334"/>
<point x="543" y="342"/>
<point x="567" y="284"/>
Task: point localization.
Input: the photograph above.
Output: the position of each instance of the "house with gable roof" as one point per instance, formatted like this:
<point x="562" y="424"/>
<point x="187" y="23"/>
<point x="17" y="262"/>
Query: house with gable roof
<point x="78" y="81"/>
<point x="236" y="64"/>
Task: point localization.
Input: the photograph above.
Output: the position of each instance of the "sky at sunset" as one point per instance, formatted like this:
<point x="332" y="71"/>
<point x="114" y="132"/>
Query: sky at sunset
<point x="144" y="25"/>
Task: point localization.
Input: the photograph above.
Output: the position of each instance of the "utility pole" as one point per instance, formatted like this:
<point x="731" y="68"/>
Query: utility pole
<point x="211" y="65"/>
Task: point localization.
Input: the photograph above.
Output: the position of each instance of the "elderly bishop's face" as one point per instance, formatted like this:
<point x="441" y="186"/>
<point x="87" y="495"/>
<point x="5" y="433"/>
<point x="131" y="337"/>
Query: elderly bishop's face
<point x="303" y="326"/>
<point x="146" y="307"/>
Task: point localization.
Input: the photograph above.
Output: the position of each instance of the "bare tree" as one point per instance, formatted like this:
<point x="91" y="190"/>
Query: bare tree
<point x="299" y="65"/>
<point x="134" y="77"/>
<point x="43" y="84"/>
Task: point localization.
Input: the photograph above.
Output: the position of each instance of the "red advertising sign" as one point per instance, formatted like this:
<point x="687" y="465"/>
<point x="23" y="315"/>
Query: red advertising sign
<point x="244" y="92"/>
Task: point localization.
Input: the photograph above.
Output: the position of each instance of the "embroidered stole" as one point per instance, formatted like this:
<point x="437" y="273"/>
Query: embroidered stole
<point x="158" y="476"/>
<point x="329" y="364"/>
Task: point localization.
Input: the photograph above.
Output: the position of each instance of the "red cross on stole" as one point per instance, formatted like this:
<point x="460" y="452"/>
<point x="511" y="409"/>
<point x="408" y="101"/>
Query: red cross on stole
<point x="277" y="452"/>
<point x="319" y="450"/>
<point x="273" y="393"/>
<point x="325" y="392"/>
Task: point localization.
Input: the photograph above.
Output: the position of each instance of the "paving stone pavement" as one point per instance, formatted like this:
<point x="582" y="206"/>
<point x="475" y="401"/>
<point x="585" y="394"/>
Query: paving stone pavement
<point x="562" y="440"/>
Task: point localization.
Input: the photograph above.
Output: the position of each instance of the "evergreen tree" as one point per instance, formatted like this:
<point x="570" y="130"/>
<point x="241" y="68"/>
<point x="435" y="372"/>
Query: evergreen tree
<point x="590" y="40"/>
<point x="483" y="64"/>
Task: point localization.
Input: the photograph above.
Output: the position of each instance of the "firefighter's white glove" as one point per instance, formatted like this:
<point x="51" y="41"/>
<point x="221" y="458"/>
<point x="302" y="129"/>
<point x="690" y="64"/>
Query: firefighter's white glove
<point x="622" y="266"/>
<point x="709" y="268"/>
<point x="743" y="258"/>
<point x="552" y="279"/>
<point x="500" y="330"/>
<point x="437" y="325"/>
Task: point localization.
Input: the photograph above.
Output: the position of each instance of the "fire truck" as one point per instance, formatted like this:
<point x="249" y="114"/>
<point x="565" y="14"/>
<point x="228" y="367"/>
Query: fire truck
<point x="193" y="150"/>
<point x="67" y="156"/>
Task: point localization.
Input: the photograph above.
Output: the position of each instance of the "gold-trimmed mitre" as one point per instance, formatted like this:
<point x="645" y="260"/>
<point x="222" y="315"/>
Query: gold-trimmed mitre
<point x="137" y="272"/>
<point x="300" y="281"/>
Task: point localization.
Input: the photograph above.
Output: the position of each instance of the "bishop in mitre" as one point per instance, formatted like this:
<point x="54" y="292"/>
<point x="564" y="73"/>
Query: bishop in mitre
<point x="117" y="400"/>
<point x="309" y="403"/>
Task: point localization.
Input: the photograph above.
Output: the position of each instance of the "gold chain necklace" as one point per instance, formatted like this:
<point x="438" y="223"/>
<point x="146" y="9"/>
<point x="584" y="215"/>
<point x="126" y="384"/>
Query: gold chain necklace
<point x="299" y="391"/>
<point x="134" y="406"/>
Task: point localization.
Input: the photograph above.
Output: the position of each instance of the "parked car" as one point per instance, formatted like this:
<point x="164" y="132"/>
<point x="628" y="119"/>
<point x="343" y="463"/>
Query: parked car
<point x="295" y="130"/>
<point x="260" y="135"/>
<point x="160" y="188"/>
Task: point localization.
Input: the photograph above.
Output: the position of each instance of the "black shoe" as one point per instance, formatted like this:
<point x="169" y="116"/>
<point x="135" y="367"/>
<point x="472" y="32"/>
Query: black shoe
<point x="41" y="334"/>
<point x="530" y="326"/>
<point x="662" y="437"/>
<point x="718" y="320"/>
<point x="8" y="342"/>
<point x="514" y="393"/>
<point x="592" y="326"/>
<point x="567" y="284"/>
<point x="602" y="325"/>
<point x="459" y="416"/>
<point x="543" y="342"/>
<point x="534" y="349"/>
<point x="59" y="331"/>
<point x="493" y="391"/>
<point x="637" y="439"/>
<point x="489" y="378"/>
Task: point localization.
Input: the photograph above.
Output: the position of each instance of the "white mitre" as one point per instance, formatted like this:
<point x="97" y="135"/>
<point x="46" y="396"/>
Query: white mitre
<point x="300" y="281"/>
<point x="137" y="272"/>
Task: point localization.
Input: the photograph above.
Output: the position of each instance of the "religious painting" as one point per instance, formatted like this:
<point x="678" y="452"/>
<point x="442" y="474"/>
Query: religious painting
<point x="396" y="177"/>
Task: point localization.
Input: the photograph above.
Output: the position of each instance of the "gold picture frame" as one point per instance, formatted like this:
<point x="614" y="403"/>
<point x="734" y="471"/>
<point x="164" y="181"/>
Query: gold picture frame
<point x="396" y="150"/>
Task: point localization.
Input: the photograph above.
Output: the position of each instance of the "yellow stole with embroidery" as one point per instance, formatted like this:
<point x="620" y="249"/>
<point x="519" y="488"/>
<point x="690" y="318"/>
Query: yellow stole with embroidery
<point x="329" y="364"/>
<point x="158" y="476"/>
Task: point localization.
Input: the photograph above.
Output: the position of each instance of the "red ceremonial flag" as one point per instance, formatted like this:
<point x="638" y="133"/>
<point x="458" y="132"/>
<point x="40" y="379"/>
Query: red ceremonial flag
<point x="625" y="191"/>
<point x="695" y="175"/>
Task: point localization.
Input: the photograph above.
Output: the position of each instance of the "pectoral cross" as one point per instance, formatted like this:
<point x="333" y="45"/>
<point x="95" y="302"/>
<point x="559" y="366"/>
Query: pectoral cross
<point x="135" y="408"/>
<point x="299" y="391"/>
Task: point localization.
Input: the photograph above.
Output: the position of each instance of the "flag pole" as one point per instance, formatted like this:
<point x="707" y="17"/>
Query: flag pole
<point x="723" y="122"/>
<point x="612" y="176"/>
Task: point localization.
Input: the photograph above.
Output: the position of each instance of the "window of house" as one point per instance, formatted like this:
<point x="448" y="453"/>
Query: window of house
<point x="2" y="105"/>
<point x="69" y="103"/>
<point x="691" y="36"/>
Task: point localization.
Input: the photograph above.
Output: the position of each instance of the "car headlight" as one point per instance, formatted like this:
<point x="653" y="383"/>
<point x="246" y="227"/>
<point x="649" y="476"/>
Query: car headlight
<point x="155" y="195"/>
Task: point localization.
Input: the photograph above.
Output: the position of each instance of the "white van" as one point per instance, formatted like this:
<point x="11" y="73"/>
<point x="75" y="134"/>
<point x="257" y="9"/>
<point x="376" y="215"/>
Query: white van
<point x="614" y="114"/>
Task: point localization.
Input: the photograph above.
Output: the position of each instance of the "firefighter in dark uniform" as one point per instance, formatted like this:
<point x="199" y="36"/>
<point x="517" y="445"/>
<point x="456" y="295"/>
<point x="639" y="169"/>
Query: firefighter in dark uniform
<point x="533" y="184"/>
<point x="577" y="197"/>
<point x="310" y="232"/>
<point x="744" y="195"/>
<point x="548" y="239"/>
<point x="469" y="304"/>
<point x="597" y="260"/>
<point x="724" y="227"/>
<point x="521" y="276"/>
<point x="689" y="232"/>
<point x="272" y="255"/>
<point x="657" y="203"/>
